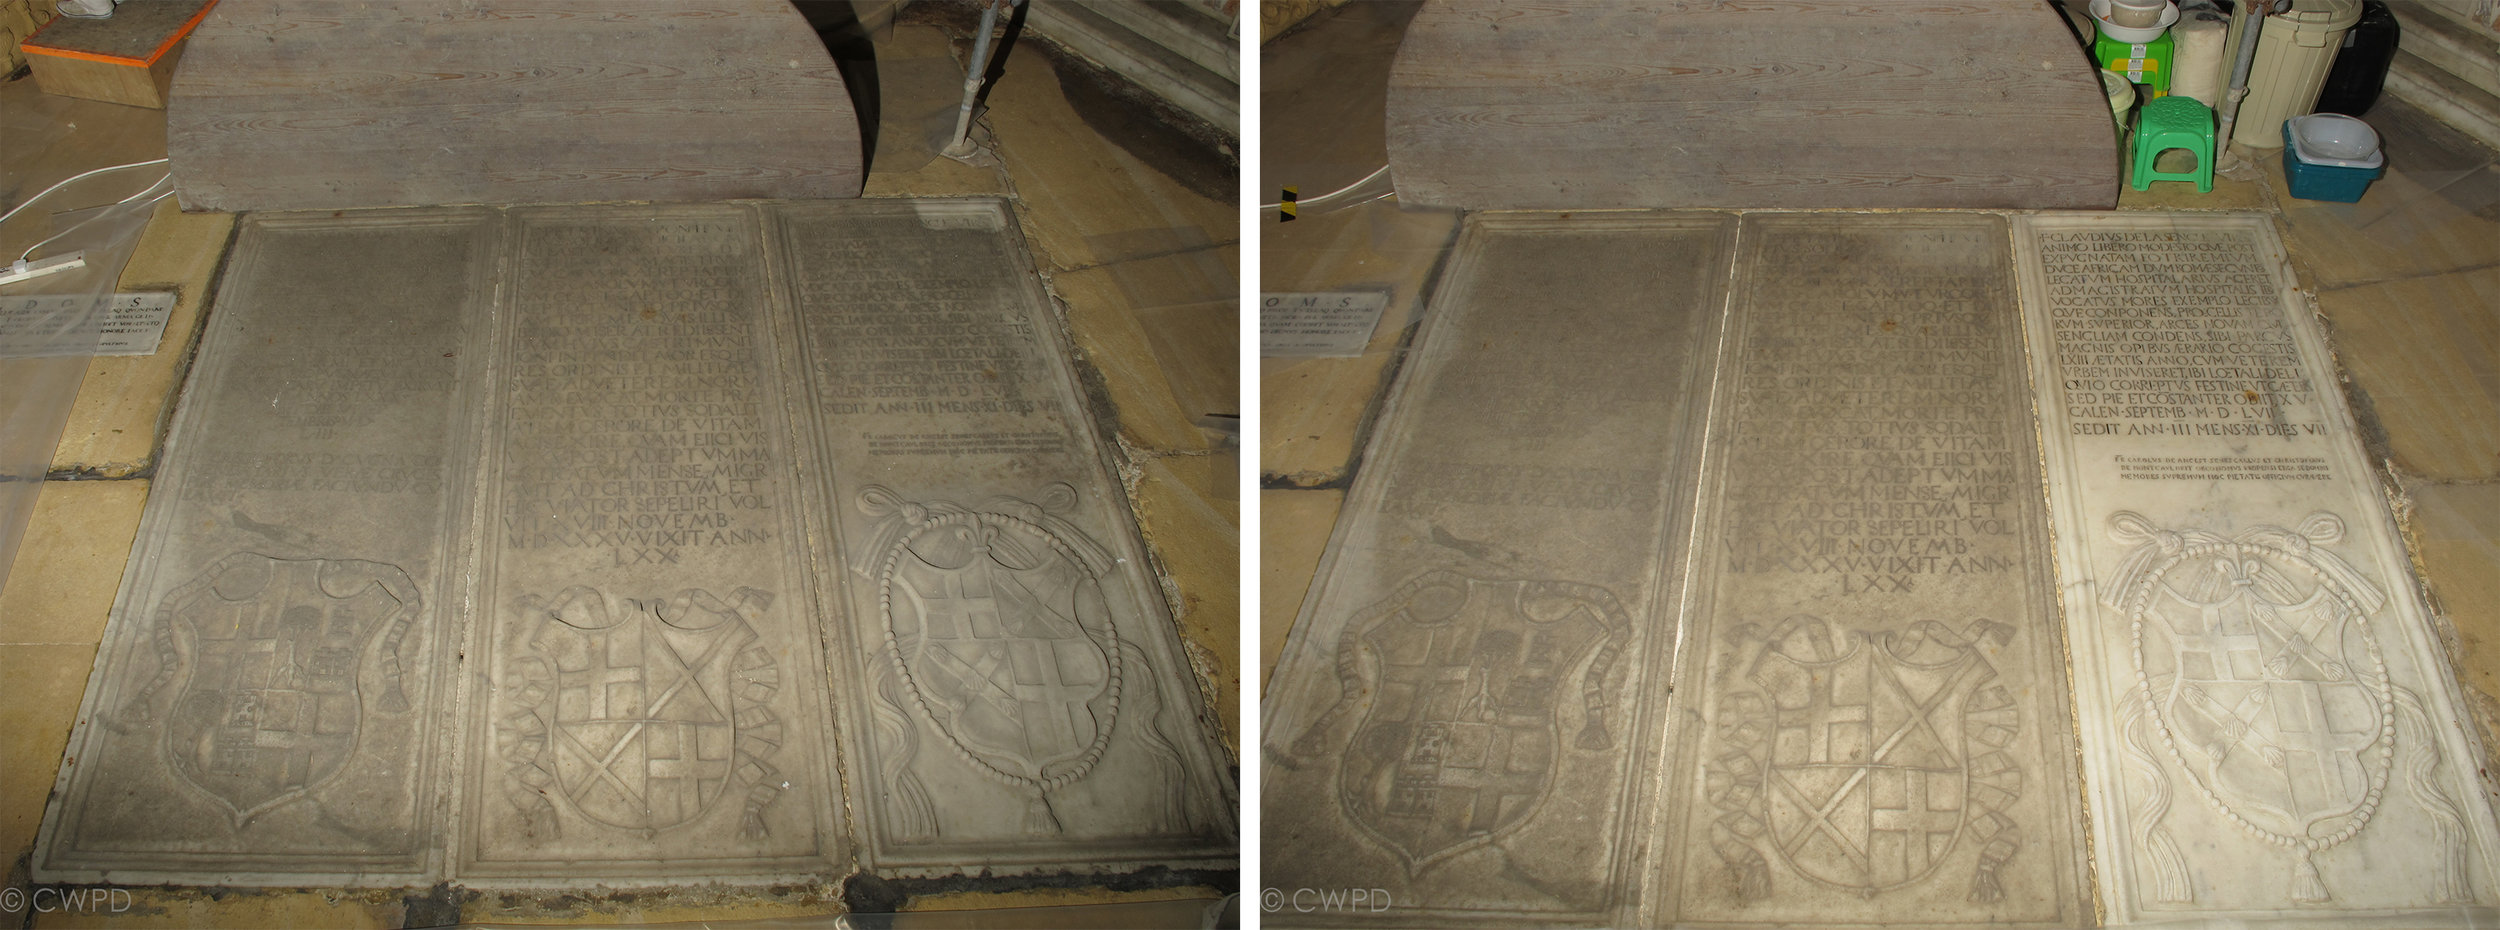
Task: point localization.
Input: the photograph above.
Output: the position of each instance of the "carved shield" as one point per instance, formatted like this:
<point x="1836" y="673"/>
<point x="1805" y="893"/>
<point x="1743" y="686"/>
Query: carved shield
<point x="1462" y="736"/>
<point x="272" y="703"/>
<point x="2261" y="681"/>
<point x="1875" y="747"/>
<point x="1000" y="632"/>
<point x="643" y="713"/>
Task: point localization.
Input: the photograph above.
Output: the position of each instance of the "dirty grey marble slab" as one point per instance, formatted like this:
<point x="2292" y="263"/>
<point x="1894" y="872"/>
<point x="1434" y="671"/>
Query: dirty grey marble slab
<point x="1008" y="671"/>
<point x="1870" y="712"/>
<point x="646" y="661"/>
<point x="1463" y="719"/>
<point x="270" y="700"/>
<point x="2269" y="729"/>
<point x="544" y="545"/>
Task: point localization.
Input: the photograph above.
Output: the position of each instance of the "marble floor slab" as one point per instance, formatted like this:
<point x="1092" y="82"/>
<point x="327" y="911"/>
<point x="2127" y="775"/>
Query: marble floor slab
<point x="1465" y="711"/>
<point x="2269" y="728"/>
<point x="1871" y="712"/>
<point x="522" y="547"/>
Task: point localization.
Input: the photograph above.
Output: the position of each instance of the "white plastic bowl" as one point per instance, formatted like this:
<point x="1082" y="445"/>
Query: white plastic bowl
<point x="2335" y="139"/>
<point x="2100" y="19"/>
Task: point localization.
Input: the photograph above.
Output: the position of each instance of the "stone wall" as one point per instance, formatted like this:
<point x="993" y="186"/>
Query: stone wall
<point x="19" y="19"/>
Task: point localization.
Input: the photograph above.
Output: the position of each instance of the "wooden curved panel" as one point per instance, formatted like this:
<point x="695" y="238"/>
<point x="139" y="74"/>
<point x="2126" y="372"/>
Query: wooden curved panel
<point x="315" y="104"/>
<point x="1579" y="104"/>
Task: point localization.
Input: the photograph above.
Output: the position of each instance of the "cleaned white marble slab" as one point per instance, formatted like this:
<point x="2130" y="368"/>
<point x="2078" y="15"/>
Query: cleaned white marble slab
<point x="2269" y="730"/>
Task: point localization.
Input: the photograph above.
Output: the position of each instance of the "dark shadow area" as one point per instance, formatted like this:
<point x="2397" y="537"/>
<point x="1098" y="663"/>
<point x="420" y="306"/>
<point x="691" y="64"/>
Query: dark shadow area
<point x="838" y="25"/>
<point x="1325" y="109"/>
<point x="999" y="50"/>
<point x="1181" y="146"/>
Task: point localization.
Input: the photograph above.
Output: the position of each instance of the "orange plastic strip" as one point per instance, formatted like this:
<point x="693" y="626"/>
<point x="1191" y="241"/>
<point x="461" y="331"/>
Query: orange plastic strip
<point x="188" y="25"/>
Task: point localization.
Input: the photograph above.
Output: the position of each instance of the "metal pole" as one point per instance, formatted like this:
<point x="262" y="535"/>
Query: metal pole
<point x="2255" y="11"/>
<point x="962" y="144"/>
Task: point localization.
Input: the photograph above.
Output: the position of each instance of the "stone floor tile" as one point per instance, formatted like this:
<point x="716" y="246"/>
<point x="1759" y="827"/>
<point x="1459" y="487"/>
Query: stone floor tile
<point x="1105" y="204"/>
<point x="2425" y="351"/>
<point x="2241" y="189"/>
<point x="46" y="681"/>
<point x="2436" y="210"/>
<point x="69" y="565"/>
<point x="1293" y="530"/>
<point x="1199" y="542"/>
<point x="1114" y="342"/>
<point x="2456" y="535"/>
<point x="1315" y="410"/>
<point x="2267" y="723"/>
<point x="124" y="403"/>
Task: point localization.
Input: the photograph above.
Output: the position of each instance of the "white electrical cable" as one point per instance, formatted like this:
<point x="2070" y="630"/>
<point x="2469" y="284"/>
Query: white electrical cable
<point x="1322" y="202"/>
<point x="5" y="217"/>
<point x="30" y="250"/>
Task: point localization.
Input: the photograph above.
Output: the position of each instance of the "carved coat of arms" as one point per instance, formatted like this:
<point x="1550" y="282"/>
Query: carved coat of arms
<point x="644" y="716"/>
<point x="2259" y="678"/>
<point x="269" y="651"/>
<point x="1864" y="762"/>
<point x="1466" y="681"/>
<point x="998" y="631"/>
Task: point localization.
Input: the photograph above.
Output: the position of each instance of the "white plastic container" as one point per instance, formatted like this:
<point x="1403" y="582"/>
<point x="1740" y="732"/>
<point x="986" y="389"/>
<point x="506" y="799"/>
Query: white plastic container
<point x="2337" y="140"/>
<point x="2134" y="35"/>
<point x="2121" y="98"/>
<point x="2136" y="14"/>
<point x="2294" y="51"/>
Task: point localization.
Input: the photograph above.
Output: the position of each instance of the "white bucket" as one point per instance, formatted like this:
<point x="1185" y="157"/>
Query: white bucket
<point x="2294" y="51"/>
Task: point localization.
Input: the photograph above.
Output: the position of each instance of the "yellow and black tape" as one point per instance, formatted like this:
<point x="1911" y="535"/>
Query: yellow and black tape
<point x="1284" y="206"/>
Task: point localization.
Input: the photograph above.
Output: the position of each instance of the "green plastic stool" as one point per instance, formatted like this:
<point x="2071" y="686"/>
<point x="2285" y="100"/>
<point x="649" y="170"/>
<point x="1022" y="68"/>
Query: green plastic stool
<point x="2174" y="123"/>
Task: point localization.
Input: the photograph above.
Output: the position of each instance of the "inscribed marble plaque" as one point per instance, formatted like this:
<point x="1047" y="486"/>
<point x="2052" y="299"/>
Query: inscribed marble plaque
<point x="1318" y="325"/>
<point x="2269" y="730"/>
<point x="268" y="698"/>
<point x="1016" y="693"/>
<point x="127" y="324"/>
<point x="1463" y="719"/>
<point x="1871" y="716"/>
<point x="647" y="698"/>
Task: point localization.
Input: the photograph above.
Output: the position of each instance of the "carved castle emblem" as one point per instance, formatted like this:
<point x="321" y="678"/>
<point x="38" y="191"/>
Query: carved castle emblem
<point x="643" y="716"/>
<point x="1865" y="762"/>
<point x="2259" y="678"/>
<point x="998" y="630"/>
<point x="271" y="651"/>
<point x="1466" y="681"/>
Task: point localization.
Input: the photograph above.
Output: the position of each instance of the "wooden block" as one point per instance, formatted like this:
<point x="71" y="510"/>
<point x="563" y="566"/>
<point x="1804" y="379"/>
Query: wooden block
<point x="126" y="58"/>
<point x="324" y="104"/>
<point x="1579" y="104"/>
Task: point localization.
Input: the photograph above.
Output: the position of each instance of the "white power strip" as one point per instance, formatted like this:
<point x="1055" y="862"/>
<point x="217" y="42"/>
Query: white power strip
<point x="23" y="269"/>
